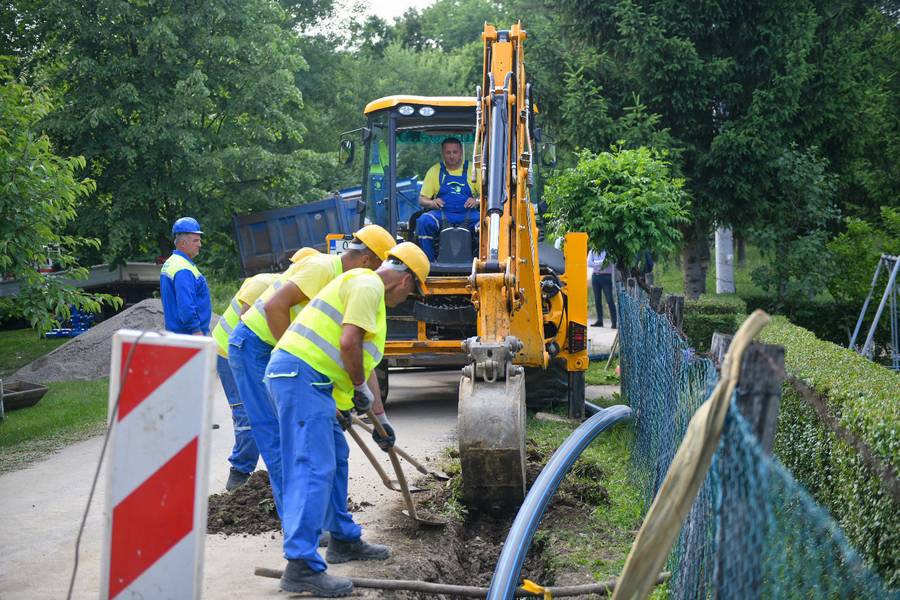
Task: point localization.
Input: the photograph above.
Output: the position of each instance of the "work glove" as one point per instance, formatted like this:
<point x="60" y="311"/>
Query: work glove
<point x="345" y="419"/>
<point x="362" y="398"/>
<point x="385" y="443"/>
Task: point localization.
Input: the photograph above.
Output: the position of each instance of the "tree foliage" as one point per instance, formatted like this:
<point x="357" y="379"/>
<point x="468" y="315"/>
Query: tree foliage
<point x="179" y="112"/>
<point x="625" y="199"/>
<point x="856" y="251"/>
<point x="38" y="194"/>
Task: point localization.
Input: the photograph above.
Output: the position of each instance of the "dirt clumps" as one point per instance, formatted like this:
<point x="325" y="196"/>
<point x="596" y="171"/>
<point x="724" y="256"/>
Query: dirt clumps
<point x="250" y="509"/>
<point x="87" y="356"/>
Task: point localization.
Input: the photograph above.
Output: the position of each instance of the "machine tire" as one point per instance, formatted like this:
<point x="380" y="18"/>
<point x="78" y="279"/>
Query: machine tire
<point x="381" y="372"/>
<point x="546" y="387"/>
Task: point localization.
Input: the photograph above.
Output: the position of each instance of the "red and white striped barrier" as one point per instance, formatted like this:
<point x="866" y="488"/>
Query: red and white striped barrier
<point x="156" y="487"/>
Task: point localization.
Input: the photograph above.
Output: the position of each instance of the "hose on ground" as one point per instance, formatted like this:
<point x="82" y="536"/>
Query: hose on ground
<point x="601" y="589"/>
<point x="518" y="541"/>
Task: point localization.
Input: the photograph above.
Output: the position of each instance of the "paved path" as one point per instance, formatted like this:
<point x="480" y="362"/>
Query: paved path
<point x="42" y="505"/>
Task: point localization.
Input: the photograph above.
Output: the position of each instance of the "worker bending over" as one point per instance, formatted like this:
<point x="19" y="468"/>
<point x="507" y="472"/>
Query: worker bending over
<point x="448" y="191"/>
<point x="251" y="343"/>
<point x="321" y="369"/>
<point x="185" y="295"/>
<point x="244" y="453"/>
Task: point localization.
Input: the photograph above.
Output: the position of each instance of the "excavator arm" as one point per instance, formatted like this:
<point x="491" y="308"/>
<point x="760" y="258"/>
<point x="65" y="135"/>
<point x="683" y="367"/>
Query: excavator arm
<point x="506" y="283"/>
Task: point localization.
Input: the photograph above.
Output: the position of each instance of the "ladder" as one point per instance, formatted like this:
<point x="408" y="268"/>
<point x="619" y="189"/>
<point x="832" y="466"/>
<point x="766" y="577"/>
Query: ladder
<point x="891" y="265"/>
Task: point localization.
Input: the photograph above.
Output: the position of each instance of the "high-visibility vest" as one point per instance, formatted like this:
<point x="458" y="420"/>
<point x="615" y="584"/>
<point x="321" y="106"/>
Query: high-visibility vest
<point x="255" y="317"/>
<point x="176" y="263"/>
<point x="232" y="315"/>
<point x="315" y="337"/>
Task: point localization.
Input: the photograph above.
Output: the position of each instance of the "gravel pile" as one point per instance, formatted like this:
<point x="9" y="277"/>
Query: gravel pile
<point x="87" y="356"/>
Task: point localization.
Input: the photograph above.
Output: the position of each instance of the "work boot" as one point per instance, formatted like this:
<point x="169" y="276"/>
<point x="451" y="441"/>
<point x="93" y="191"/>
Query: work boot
<point x="341" y="552"/>
<point x="236" y="479"/>
<point x="298" y="578"/>
<point x="324" y="539"/>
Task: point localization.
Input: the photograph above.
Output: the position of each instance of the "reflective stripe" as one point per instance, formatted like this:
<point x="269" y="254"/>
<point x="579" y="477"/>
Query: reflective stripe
<point x="242" y="428"/>
<point x="372" y="350"/>
<point x="235" y="306"/>
<point x="320" y="342"/>
<point x="330" y="311"/>
<point x="224" y="325"/>
<point x="260" y="305"/>
<point x="277" y="284"/>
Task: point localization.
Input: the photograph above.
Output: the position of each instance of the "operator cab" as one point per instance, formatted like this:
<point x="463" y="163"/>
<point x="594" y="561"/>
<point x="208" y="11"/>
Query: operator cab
<point x="402" y="139"/>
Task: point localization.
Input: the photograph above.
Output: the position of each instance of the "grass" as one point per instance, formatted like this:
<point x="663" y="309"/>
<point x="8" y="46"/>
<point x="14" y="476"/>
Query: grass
<point x="71" y="411"/>
<point x="598" y="374"/>
<point x="19" y="347"/>
<point x="601" y="544"/>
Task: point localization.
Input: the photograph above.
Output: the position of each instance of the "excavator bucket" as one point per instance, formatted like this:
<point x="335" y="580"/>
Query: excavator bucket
<point x="491" y="430"/>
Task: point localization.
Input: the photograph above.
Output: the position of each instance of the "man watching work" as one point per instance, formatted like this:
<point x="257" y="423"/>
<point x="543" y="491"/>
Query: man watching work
<point x="449" y="192"/>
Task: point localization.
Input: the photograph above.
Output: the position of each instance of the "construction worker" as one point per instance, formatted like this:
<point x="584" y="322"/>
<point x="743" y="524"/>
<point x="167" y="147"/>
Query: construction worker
<point x="244" y="453"/>
<point x="185" y="295"/>
<point x="251" y="343"/>
<point x="322" y="367"/>
<point x="448" y="190"/>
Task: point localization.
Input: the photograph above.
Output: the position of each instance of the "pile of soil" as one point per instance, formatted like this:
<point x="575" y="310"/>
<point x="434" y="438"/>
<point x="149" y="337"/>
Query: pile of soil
<point x="250" y="509"/>
<point x="87" y="356"/>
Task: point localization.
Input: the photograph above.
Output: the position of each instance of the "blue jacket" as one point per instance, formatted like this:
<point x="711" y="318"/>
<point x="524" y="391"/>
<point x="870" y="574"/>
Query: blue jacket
<point x="185" y="296"/>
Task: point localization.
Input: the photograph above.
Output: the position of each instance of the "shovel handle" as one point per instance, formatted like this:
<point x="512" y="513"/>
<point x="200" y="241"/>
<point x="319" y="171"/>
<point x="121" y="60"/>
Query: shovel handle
<point x="403" y="454"/>
<point x="368" y="452"/>
<point x="401" y="478"/>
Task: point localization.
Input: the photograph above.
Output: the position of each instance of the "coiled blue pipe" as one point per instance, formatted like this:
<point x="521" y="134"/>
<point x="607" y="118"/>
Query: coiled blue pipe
<point x="506" y="575"/>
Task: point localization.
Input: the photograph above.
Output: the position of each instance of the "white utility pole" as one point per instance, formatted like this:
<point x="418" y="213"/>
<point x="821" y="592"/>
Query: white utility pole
<point x="724" y="261"/>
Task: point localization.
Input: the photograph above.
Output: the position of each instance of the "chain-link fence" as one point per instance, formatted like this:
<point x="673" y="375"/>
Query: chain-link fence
<point x="753" y="531"/>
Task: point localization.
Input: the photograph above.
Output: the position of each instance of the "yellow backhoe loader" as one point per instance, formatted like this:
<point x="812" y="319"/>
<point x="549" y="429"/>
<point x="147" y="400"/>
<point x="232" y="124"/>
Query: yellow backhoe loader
<point x="502" y="304"/>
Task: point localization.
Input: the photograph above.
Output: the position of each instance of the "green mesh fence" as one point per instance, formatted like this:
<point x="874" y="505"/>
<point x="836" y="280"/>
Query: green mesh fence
<point x="753" y="531"/>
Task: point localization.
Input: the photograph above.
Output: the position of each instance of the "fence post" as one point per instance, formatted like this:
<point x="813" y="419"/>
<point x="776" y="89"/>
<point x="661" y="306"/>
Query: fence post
<point x="631" y="282"/>
<point x="759" y="389"/>
<point x="675" y="309"/>
<point x="655" y="297"/>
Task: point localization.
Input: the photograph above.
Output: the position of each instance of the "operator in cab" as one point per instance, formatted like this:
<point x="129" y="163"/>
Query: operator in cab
<point x="449" y="195"/>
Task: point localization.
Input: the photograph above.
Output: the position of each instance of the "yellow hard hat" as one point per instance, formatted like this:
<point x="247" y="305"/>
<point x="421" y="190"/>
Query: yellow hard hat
<point x="414" y="260"/>
<point x="376" y="238"/>
<point x="303" y="253"/>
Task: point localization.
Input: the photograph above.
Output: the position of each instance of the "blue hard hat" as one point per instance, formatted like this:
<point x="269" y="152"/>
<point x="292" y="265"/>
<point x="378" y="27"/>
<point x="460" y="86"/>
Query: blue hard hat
<point x="186" y="225"/>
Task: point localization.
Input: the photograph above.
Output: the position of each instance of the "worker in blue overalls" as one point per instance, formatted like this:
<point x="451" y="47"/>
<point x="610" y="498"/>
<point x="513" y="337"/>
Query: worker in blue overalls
<point x="185" y="296"/>
<point x="448" y="190"/>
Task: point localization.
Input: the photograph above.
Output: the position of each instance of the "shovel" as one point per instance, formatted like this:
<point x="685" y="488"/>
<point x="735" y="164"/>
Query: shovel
<point x="405" y="456"/>
<point x="401" y="478"/>
<point x="390" y="484"/>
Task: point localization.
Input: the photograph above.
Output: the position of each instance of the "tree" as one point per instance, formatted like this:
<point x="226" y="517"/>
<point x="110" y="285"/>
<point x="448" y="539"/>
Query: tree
<point x="625" y="200"/>
<point x="180" y="112"/>
<point x="796" y="214"/>
<point x="38" y="193"/>
<point x="857" y="251"/>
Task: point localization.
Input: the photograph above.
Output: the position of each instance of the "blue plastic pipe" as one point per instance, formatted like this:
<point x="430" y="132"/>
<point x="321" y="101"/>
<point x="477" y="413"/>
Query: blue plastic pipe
<point x="506" y="575"/>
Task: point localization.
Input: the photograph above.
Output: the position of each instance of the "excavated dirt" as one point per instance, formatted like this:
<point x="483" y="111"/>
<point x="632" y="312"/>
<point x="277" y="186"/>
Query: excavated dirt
<point x="464" y="552"/>
<point x="87" y="356"/>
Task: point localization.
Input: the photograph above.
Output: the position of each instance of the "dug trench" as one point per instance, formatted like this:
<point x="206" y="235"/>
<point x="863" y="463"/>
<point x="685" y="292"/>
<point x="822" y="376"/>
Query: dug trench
<point x="466" y="550"/>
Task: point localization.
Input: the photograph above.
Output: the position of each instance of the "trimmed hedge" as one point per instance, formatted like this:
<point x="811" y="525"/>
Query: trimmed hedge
<point x="710" y="313"/>
<point x="863" y="397"/>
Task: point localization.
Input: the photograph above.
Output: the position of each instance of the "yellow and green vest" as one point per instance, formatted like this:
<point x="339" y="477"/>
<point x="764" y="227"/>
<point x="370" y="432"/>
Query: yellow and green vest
<point x="315" y="337"/>
<point x="232" y="315"/>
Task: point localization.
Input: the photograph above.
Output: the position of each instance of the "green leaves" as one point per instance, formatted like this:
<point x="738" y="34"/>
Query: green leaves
<point x="38" y="194"/>
<point x="625" y="200"/>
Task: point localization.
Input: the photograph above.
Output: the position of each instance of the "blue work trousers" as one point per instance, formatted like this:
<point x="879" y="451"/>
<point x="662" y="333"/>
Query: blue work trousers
<point x="429" y="225"/>
<point x="244" y="454"/>
<point x="248" y="356"/>
<point x="315" y="458"/>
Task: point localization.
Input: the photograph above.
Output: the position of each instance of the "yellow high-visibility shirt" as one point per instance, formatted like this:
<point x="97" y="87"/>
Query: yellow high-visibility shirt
<point x="362" y="297"/>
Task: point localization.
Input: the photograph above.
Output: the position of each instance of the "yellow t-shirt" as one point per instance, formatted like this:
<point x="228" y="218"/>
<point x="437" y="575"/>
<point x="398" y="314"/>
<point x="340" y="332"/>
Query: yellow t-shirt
<point x="431" y="185"/>
<point x="362" y="298"/>
<point x="253" y="287"/>
<point x="314" y="272"/>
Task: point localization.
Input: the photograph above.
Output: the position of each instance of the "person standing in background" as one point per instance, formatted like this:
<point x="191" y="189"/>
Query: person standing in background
<point x="602" y="283"/>
<point x="185" y="296"/>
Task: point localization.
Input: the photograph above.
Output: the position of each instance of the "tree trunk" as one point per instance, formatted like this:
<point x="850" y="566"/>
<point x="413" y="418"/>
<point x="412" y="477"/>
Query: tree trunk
<point x="724" y="261"/>
<point x="696" y="262"/>
<point x="741" y="251"/>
